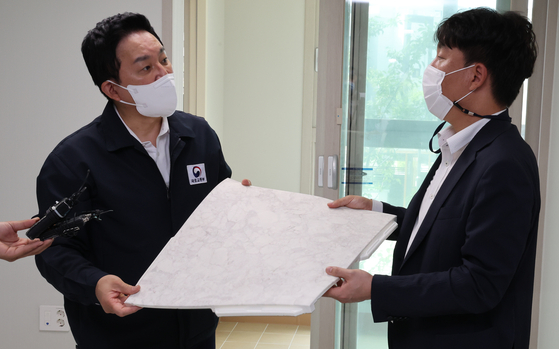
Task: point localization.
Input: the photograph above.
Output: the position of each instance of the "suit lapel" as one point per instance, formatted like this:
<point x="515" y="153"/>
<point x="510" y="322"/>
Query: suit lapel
<point x="484" y="137"/>
<point x="411" y="214"/>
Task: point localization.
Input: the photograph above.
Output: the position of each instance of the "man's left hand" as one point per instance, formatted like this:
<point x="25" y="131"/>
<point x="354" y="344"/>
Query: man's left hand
<point x="112" y="292"/>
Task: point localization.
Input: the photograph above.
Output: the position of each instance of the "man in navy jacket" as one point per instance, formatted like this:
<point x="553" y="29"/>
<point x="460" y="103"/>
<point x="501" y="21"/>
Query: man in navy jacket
<point x="151" y="166"/>
<point x="464" y="259"/>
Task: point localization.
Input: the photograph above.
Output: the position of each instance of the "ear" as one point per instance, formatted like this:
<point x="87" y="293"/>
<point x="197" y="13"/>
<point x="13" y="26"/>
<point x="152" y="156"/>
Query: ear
<point x="480" y="76"/>
<point x="110" y="91"/>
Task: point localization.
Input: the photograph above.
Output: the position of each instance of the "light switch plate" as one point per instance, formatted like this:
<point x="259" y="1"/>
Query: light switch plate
<point x="320" y="171"/>
<point x="339" y="118"/>
<point x="333" y="172"/>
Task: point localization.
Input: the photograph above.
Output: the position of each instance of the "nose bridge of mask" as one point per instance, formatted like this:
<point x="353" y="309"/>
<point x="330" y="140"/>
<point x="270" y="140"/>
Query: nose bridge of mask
<point x="436" y="74"/>
<point x="163" y="80"/>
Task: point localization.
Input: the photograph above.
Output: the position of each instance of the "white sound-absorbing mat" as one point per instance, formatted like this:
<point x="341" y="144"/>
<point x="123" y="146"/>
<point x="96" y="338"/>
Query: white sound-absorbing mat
<point x="250" y="251"/>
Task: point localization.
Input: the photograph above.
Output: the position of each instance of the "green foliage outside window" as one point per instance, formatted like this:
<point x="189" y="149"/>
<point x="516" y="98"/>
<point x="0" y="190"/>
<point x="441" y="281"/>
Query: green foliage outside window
<point x="394" y="92"/>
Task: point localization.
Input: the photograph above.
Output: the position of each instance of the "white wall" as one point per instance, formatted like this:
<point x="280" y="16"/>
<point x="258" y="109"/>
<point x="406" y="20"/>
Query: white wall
<point x="255" y="87"/>
<point x="46" y="93"/>
<point x="215" y="55"/>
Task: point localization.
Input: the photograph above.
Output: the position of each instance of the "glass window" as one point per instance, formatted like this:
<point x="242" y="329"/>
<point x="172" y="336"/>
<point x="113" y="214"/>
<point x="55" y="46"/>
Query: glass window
<point x="387" y="127"/>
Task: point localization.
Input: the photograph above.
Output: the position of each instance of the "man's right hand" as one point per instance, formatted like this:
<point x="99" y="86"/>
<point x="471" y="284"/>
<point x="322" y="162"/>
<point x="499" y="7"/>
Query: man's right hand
<point x="112" y="292"/>
<point x="353" y="201"/>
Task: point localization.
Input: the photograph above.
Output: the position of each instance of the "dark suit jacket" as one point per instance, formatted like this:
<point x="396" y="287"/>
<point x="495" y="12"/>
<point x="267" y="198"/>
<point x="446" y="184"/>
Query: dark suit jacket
<point x="467" y="280"/>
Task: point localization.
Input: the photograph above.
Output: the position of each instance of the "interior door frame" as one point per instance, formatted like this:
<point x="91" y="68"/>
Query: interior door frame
<point x="329" y="101"/>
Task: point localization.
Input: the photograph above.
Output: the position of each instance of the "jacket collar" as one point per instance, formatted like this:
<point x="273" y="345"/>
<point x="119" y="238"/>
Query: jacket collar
<point x="118" y="137"/>
<point x="484" y="137"/>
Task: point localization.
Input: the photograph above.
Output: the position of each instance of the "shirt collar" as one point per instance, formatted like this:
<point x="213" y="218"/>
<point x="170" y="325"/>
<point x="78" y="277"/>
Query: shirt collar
<point x="457" y="141"/>
<point x="164" y="126"/>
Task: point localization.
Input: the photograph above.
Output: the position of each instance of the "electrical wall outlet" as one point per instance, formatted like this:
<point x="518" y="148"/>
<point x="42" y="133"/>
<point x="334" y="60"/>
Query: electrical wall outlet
<point x="53" y="318"/>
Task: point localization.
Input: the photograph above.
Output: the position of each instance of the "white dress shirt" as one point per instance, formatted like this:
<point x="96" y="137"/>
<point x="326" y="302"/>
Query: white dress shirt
<point x="452" y="145"/>
<point x="160" y="151"/>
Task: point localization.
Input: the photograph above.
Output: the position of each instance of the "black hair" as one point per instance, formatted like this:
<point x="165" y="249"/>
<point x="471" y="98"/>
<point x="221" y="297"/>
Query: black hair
<point x="100" y="43"/>
<point x="504" y="42"/>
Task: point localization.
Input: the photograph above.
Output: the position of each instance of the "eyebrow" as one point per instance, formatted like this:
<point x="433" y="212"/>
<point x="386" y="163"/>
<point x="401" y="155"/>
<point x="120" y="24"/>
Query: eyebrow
<point x="146" y="57"/>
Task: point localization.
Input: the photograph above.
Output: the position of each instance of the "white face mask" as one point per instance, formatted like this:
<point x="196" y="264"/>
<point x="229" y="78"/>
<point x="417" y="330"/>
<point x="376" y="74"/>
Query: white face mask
<point x="437" y="103"/>
<point x="156" y="99"/>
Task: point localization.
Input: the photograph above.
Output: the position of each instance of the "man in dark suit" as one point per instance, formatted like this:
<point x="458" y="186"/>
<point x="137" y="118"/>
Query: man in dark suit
<point x="464" y="259"/>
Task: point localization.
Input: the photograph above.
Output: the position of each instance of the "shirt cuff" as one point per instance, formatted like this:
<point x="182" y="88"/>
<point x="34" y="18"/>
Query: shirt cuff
<point x="377" y="206"/>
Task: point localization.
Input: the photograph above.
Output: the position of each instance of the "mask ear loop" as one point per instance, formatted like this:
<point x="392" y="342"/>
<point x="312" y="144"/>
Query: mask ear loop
<point x="456" y="71"/>
<point x="123" y="102"/>
<point x="464" y="110"/>
<point x="136" y="105"/>
<point x="114" y="83"/>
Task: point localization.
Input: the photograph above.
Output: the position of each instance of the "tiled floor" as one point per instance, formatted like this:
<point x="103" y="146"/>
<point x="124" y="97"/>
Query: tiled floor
<point x="242" y="335"/>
